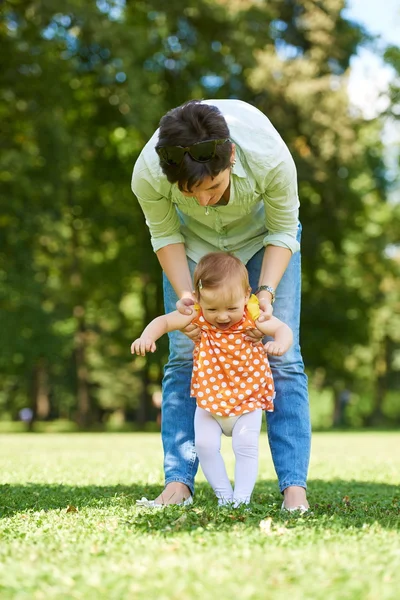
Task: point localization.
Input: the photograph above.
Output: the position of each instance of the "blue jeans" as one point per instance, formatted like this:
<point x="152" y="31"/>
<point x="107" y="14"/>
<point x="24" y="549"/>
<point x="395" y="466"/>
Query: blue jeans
<point x="289" y="430"/>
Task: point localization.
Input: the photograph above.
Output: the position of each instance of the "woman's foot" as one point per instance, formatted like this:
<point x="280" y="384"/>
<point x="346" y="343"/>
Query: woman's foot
<point x="173" y="493"/>
<point x="295" y="498"/>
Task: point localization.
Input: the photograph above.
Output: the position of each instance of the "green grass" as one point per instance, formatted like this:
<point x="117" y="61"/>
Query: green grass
<point x="348" y="548"/>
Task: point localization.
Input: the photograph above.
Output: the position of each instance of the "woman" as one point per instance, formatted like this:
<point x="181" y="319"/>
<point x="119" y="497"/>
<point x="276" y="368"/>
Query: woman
<point x="216" y="175"/>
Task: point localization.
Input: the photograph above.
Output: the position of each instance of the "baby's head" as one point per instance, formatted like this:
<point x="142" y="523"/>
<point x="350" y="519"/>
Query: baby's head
<point x="221" y="285"/>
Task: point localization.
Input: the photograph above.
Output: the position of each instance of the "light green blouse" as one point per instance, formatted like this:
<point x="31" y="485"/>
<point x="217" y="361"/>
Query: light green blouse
<point x="263" y="205"/>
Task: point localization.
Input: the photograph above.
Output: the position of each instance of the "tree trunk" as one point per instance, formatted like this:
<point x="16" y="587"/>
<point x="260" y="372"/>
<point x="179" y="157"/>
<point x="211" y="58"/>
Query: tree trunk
<point x="336" y="417"/>
<point x="42" y="400"/>
<point x="144" y="409"/>
<point x="377" y="417"/>
<point x="83" y="395"/>
<point x="144" y="399"/>
<point x="39" y="394"/>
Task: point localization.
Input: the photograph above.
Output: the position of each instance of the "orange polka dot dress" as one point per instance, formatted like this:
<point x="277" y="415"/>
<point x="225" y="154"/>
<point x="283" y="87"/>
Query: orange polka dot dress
<point x="231" y="376"/>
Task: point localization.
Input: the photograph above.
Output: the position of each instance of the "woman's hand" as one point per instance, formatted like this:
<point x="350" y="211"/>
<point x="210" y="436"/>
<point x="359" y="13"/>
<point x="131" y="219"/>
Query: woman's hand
<point x="265" y="308"/>
<point x="255" y="335"/>
<point x="193" y="332"/>
<point x="185" y="307"/>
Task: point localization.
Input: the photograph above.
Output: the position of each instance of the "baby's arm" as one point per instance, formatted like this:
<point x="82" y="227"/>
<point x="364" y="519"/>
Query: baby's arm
<point x="282" y="334"/>
<point x="158" y="327"/>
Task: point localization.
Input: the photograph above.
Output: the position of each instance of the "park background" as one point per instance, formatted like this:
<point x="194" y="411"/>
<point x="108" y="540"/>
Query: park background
<point x="83" y="86"/>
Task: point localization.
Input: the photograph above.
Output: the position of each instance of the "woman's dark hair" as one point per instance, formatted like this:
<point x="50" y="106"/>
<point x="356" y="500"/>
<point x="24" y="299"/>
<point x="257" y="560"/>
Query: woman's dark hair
<point x="188" y="124"/>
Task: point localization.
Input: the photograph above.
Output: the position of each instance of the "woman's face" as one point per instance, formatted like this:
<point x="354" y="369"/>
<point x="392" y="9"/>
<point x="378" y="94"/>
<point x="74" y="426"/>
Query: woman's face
<point x="210" y="190"/>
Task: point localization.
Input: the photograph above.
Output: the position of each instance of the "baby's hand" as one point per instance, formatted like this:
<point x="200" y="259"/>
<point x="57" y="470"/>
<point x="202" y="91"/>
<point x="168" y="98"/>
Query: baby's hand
<point x="274" y="348"/>
<point x="143" y="345"/>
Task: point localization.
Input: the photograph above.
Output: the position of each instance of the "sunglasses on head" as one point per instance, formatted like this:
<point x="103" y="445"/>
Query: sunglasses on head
<point x="200" y="152"/>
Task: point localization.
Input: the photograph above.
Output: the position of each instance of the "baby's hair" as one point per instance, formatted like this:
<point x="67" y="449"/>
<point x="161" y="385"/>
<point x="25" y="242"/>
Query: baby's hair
<point x="218" y="269"/>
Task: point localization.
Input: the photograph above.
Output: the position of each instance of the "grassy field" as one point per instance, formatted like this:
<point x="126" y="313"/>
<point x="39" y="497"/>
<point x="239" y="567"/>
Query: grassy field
<point x="103" y="547"/>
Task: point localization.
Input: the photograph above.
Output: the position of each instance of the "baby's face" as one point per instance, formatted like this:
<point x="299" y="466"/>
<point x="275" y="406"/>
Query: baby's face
<point x="223" y="308"/>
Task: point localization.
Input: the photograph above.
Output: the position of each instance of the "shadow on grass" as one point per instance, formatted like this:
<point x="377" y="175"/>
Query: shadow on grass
<point x="336" y="504"/>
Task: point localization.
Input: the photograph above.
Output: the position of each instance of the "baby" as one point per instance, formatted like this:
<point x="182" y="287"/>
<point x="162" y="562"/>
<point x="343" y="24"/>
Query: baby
<point x="231" y="379"/>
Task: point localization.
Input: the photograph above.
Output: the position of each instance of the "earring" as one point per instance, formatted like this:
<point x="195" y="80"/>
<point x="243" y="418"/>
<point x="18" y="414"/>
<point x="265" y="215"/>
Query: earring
<point x="233" y="163"/>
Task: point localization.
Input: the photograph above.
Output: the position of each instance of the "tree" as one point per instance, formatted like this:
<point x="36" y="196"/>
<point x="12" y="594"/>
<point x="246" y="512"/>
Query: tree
<point x="82" y="89"/>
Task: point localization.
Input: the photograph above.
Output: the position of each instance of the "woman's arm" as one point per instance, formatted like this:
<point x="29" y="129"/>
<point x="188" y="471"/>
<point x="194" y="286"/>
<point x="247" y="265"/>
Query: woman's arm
<point x="275" y="262"/>
<point x="173" y="261"/>
<point x="157" y="328"/>
<point x="281" y="203"/>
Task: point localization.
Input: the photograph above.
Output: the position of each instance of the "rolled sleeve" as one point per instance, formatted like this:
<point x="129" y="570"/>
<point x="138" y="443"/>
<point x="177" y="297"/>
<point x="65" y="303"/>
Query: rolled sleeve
<point x="281" y="203"/>
<point x="162" y="221"/>
<point x="160" y="213"/>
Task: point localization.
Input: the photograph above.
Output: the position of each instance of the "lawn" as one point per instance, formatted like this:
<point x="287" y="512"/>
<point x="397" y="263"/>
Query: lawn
<point x="69" y="527"/>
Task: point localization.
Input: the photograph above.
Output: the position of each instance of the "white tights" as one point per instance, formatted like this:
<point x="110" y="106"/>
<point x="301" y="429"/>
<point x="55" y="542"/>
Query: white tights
<point x="245" y="434"/>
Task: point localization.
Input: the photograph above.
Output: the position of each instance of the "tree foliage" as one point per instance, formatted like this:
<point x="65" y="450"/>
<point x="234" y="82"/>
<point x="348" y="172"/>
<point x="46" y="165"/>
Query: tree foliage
<point x="82" y="88"/>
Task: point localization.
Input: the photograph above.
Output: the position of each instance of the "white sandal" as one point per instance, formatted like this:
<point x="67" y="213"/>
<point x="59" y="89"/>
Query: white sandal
<point x="151" y="503"/>
<point x="301" y="508"/>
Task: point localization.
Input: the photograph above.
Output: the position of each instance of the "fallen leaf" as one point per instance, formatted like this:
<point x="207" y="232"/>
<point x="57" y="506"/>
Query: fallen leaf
<point x="181" y="520"/>
<point x="266" y="525"/>
<point x="346" y="499"/>
<point x="281" y="531"/>
<point x="71" y="508"/>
